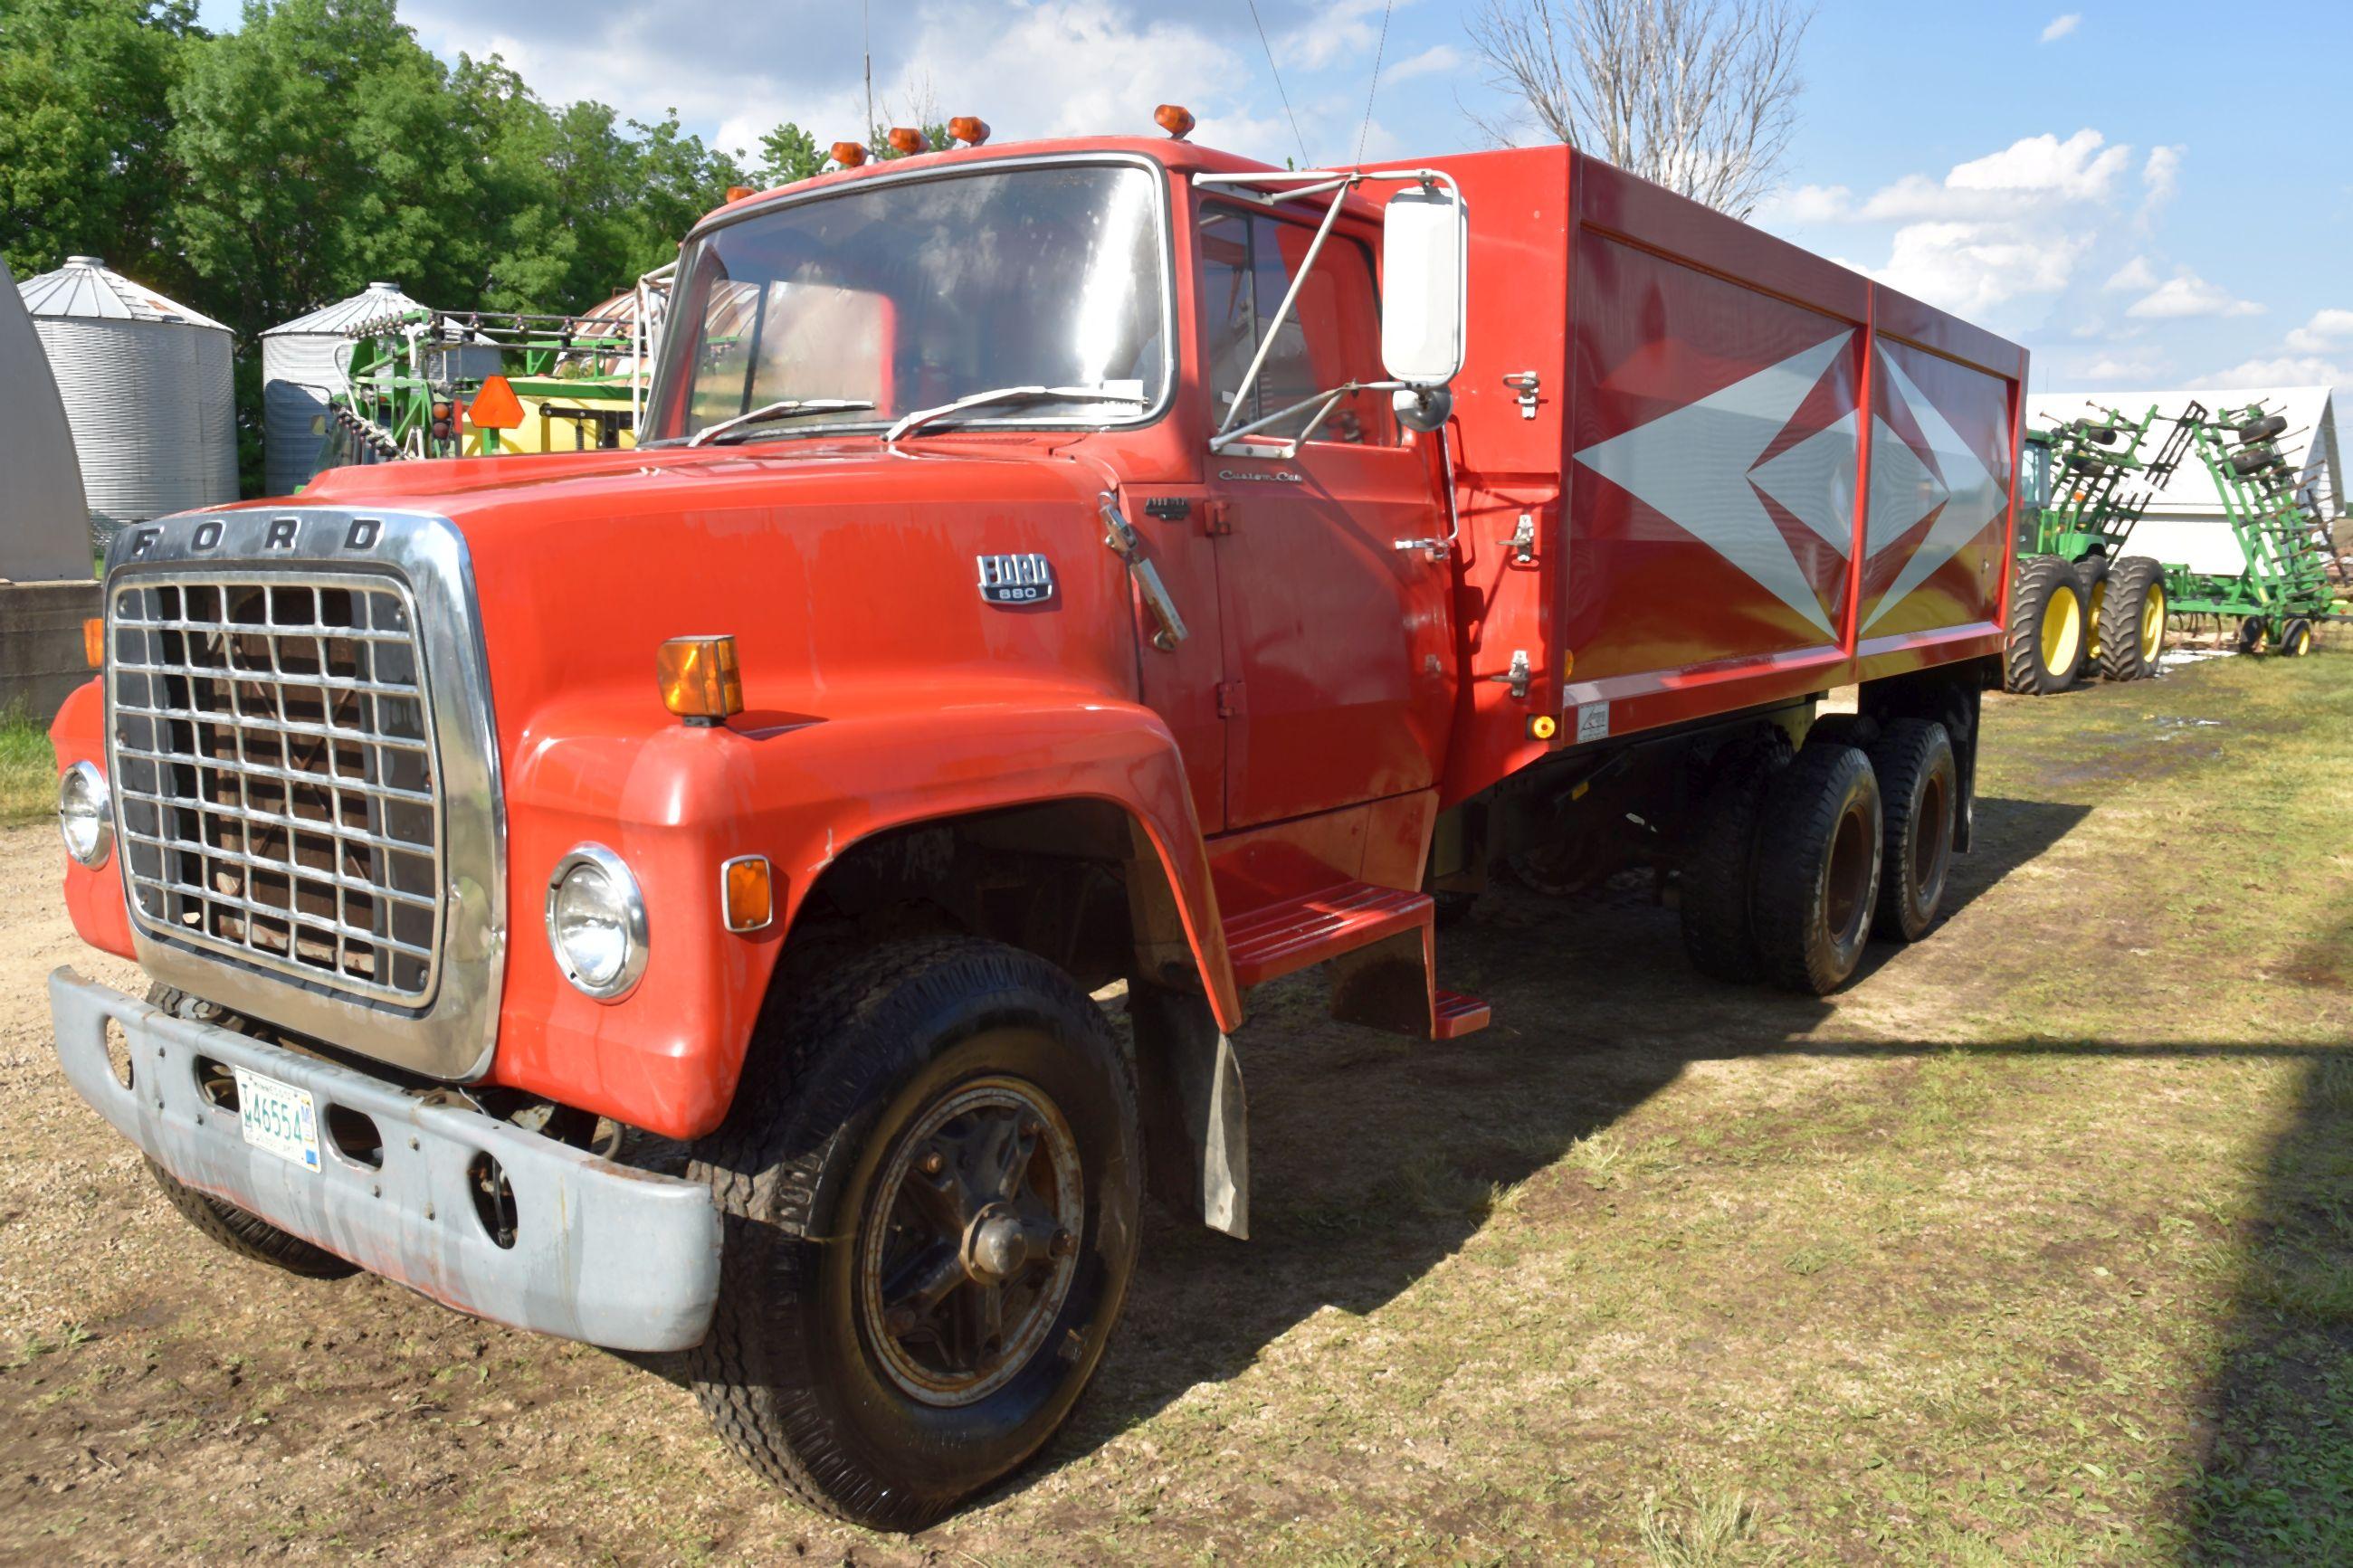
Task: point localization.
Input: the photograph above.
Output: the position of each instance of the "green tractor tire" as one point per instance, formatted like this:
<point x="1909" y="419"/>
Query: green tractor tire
<point x="2131" y="619"/>
<point x="2045" y="646"/>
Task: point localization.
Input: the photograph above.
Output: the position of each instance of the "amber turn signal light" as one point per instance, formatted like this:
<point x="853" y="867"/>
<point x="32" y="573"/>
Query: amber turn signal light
<point x="737" y="193"/>
<point x="747" y="893"/>
<point x="848" y="155"/>
<point x="968" y="129"/>
<point x="1542" y="727"/>
<point x="699" y="680"/>
<point x="907" y="141"/>
<point x="1175" y="118"/>
<point x="93" y="641"/>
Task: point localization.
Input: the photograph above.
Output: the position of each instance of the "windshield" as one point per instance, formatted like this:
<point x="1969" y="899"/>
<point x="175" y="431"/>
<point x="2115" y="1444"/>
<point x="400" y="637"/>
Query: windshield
<point x="909" y="294"/>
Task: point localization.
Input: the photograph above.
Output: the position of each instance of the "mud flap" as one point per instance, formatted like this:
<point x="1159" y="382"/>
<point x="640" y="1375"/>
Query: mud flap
<point x="1196" y="1118"/>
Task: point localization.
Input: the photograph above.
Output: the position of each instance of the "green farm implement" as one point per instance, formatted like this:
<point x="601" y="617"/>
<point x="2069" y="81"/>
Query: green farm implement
<point x="2286" y="585"/>
<point x="415" y="384"/>
<point x="2079" y="601"/>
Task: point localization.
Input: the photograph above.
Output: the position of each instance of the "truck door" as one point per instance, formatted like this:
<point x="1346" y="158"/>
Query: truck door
<point x="1337" y="643"/>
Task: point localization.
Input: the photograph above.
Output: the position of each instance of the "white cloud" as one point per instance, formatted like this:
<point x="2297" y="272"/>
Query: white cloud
<point x="2326" y="330"/>
<point x="1436" y="60"/>
<point x="2017" y="221"/>
<point x="2305" y="370"/>
<point x="2160" y="177"/>
<point x="2140" y="367"/>
<point x="1970" y="267"/>
<point x="2134" y="274"/>
<point x="2186" y="295"/>
<point x="1807" y="205"/>
<point x="2061" y="27"/>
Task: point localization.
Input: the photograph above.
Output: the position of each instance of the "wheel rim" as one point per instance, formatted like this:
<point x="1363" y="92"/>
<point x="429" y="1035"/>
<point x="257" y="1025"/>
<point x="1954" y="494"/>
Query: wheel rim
<point x="1932" y="843"/>
<point x="2152" y="622"/>
<point x="1846" y="881"/>
<point x="972" y="1241"/>
<point x="2062" y="631"/>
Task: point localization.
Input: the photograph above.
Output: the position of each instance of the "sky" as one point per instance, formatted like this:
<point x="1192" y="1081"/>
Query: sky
<point x="2146" y="194"/>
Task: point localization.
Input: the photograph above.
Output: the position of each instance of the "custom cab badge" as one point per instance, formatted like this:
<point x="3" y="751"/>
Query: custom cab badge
<point x="1015" y="579"/>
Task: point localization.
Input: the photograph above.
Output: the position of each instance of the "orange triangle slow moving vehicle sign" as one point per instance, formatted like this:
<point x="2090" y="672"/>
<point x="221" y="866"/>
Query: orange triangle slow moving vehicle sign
<point x="495" y="407"/>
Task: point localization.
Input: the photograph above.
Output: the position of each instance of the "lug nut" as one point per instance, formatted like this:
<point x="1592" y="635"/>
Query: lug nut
<point x="1063" y="1245"/>
<point x="1033" y="1129"/>
<point x="933" y="1163"/>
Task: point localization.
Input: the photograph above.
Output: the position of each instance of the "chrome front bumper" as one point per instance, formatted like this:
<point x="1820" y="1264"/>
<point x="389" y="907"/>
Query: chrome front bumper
<point x="614" y="1256"/>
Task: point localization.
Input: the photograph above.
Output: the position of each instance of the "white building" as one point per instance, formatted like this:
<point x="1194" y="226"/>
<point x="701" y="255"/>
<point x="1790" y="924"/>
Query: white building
<point x="2184" y="524"/>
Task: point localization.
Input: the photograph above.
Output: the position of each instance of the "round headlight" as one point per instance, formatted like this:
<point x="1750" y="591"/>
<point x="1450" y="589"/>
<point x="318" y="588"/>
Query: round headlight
<point x="85" y="818"/>
<point x="597" y="922"/>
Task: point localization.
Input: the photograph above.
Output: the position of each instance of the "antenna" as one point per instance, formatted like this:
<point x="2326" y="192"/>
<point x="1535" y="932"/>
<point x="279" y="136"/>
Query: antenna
<point x="865" y="40"/>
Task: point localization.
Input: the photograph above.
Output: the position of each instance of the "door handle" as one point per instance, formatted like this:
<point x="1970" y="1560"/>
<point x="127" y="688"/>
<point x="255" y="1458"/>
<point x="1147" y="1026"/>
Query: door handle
<point x="1128" y="545"/>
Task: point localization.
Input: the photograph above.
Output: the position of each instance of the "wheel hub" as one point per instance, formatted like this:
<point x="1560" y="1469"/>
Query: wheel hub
<point x="970" y="1246"/>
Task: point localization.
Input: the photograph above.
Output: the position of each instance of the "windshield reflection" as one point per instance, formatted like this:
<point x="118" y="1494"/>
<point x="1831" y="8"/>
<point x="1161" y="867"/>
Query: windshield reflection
<point x="912" y="294"/>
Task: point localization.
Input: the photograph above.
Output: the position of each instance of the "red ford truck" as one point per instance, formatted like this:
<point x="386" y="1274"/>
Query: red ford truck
<point x="1044" y="567"/>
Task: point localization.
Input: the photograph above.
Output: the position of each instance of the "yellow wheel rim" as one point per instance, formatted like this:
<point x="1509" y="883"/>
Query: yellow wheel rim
<point x="2152" y="624"/>
<point x="2091" y="614"/>
<point x="2062" y="631"/>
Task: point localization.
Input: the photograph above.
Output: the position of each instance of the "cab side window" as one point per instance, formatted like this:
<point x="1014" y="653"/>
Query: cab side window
<point x="1331" y="336"/>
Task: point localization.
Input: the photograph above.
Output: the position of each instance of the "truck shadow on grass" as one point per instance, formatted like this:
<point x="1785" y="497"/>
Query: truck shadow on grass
<point x="1374" y="1158"/>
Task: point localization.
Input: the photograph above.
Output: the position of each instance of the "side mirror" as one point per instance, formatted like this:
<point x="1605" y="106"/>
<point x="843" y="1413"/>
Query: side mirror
<point x="1425" y="259"/>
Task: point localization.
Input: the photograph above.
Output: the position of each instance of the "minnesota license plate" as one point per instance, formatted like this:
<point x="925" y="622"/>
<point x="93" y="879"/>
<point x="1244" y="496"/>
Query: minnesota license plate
<point x="279" y="1116"/>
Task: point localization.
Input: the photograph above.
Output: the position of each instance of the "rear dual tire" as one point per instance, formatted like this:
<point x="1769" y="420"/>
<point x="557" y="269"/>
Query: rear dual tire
<point x="1817" y="869"/>
<point x="2132" y="619"/>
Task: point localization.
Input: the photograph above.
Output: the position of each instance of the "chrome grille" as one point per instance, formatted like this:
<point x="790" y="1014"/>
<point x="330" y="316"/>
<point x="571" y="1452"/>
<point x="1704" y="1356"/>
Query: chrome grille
<point x="277" y="782"/>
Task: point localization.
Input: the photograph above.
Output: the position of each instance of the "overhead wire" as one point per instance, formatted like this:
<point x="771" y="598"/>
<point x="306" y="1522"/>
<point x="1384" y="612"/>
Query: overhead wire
<point x="1379" y="50"/>
<point x="1304" y="160"/>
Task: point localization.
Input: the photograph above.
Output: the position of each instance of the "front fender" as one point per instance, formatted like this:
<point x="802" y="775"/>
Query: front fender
<point x="676" y="801"/>
<point x="93" y="895"/>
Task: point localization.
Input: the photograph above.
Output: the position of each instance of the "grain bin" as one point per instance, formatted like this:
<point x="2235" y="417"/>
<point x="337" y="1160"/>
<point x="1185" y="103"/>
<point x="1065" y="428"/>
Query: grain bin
<point x="147" y="391"/>
<point x="302" y="365"/>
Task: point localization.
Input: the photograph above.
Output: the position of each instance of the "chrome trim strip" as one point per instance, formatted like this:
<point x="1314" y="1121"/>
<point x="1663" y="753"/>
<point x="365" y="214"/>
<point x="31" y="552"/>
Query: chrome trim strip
<point x="452" y="1033"/>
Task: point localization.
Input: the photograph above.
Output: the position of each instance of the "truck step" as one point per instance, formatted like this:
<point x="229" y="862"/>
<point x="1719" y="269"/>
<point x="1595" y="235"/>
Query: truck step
<point x="1384" y="940"/>
<point x="1456" y="1015"/>
<point x="1298" y="933"/>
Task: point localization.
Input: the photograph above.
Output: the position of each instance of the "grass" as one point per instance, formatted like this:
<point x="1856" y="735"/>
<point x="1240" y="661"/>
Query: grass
<point x="2034" y="1246"/>
<point x="28" y="771"/>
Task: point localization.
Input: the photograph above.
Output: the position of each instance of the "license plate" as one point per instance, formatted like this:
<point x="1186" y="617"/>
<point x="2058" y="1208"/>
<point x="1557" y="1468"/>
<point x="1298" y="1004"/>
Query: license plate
<point x="279" y="1116"/>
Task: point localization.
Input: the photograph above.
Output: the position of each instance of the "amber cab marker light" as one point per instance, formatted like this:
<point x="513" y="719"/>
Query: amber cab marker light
<point x="737" y="193"/>
<point x="848" y="155"/>
<point x="1542" y="727"/>
<point x="1175" y="118"/>
<point x="699" y="680"/>
<point x="747" y="893"/>
<point x="907" y="141"/>
<point x="968" y="129"/>
<point x="93" y="641"/>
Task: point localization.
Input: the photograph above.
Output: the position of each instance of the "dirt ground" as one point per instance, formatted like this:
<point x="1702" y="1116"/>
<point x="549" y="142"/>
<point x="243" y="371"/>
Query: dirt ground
<point x="2034" y="1246"/>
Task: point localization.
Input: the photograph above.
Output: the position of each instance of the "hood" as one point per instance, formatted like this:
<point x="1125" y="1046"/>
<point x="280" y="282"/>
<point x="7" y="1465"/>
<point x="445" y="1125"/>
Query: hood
<point x="840" y="567"/>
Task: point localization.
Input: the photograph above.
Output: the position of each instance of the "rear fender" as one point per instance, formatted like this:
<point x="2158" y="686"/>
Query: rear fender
<point x="676" y="801"/>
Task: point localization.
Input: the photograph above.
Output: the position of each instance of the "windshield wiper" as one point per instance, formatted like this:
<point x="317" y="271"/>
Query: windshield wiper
<point x="922" y="417"/>
<point x="784" y="408"/>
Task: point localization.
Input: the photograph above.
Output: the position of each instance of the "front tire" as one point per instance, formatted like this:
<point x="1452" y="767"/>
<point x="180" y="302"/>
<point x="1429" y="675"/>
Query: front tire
<point x="931" y="1182"/>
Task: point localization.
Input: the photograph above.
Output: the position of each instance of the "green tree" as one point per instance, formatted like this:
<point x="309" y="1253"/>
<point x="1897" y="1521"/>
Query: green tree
<point x="788" y="154"/>
<point x="84" y="120"/>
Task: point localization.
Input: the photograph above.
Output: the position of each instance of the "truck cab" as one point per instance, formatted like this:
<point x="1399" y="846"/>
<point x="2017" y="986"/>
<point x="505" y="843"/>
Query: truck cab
<point x="1046" y="573"/>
